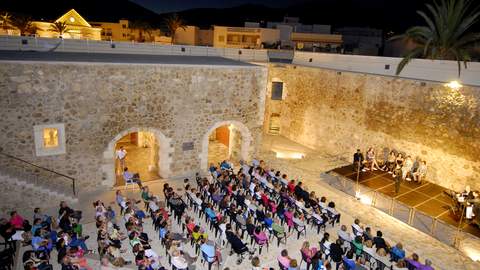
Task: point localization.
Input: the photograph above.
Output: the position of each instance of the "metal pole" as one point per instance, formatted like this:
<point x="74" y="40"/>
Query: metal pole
<point x="457" y="237"/>
<point x="73" y="186"/>
<point x="357" y="186"/>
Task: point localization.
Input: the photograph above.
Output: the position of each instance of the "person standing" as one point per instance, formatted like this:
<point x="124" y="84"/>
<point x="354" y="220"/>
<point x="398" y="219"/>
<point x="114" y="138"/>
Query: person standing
<point x="398" y="177"/>
<point x="121" y="156"/>
<point x="358" y="160"/>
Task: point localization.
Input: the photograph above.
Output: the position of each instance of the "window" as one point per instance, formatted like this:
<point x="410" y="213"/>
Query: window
<point x="124" y="35"/>
<point x="277" y="90"/>
<point x="124" y="26"/>
<point x="49" y="139"/>
<point x="221" y="38"/>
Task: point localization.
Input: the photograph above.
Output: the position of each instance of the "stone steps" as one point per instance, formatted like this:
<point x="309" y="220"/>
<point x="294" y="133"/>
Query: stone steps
<point x="20" y="193"/>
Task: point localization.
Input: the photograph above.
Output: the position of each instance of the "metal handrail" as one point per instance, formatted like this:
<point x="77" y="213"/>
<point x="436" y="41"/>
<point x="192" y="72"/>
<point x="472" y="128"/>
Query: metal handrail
<point x="44" y="169"/>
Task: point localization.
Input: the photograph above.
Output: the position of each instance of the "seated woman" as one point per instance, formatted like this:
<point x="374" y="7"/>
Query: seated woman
<point x="381" y="255"/>
<point x="390" y="163"/>
<point x="307" y="253"/>
<point x="283" y="259"/>
<point x="421" y="172"/>
<point x="407" y="168"/>
<point x="178" y="261"/>
<point x="371" y="159"/>
<point x="115" y="257"/>
<point x="325" y="244"/>
<point x="358" y="245"/>
<point x="76" y="258"/>
<point x="260" y="238"/>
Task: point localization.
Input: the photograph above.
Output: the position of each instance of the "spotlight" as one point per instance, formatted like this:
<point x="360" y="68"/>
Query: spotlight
<point x="454" y="85"/>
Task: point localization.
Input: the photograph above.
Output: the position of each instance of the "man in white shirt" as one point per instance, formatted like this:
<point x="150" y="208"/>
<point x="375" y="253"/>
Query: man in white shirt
<point x="121" y="155"/>
<point x="357" y="228"/>
<point x="345" y="236"/>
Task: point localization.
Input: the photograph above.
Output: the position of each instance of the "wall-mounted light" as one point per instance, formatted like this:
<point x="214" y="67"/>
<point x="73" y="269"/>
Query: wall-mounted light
<point x="454" y="85"/>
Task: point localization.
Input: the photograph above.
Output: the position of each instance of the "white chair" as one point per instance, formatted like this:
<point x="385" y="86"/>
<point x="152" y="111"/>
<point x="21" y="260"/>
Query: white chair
<point x="129" y="182"/>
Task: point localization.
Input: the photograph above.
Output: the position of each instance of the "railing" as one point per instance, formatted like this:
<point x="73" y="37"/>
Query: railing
<point x="417" y="69"/>
<point x="243" y="30"/>
<point x="37" y="175"/>
<point x="21" y="43"/>
<point x="437" y="228"/>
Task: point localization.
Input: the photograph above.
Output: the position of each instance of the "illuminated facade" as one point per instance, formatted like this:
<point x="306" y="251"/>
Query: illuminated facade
<point x="76" y="28"/>
<point x="124" y="30"/>
<point x="244" y="37"/>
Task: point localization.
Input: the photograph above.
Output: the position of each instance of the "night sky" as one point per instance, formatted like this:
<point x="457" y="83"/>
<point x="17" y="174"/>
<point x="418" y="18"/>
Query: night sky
<point x="162" y="6"/>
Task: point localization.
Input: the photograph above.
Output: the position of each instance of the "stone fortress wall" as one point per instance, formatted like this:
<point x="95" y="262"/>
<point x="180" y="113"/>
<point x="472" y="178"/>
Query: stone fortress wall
<point x="100" y="102"/>
<point x="335" y="112"/>
<point x="338" y="112"/>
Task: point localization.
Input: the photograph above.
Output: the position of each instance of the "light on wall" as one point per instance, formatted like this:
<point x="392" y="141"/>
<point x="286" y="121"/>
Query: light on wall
<point x="289" y="155"/>
<point x="454" y="85"/>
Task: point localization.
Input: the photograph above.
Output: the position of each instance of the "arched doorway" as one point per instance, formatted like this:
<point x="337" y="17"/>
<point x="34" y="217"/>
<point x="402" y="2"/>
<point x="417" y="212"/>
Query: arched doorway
<point x="225" y="140"/>
<point x="148" y="153"/>
<point x="140" y="150"/>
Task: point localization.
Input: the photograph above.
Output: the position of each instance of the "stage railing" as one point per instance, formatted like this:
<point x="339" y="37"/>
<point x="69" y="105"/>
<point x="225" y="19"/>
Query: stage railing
<point x="437" y="228"/>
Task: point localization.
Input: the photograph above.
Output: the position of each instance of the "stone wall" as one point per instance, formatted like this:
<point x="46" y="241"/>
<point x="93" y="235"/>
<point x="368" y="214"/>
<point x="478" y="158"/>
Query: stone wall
<point x="101" y="102"/>
<point x="338" y="112"/>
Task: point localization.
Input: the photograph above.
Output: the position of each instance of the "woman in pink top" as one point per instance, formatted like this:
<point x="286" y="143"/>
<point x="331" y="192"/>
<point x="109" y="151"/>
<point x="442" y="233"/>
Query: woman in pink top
<point x="283" y="259"/>
<point x="16" y="220"/>
<point x="307" y="252"/>
<point x="289" y="218"/>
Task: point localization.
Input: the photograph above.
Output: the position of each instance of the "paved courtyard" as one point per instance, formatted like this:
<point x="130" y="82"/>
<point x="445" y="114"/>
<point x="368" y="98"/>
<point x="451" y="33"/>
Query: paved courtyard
<point x="309" y="171"/>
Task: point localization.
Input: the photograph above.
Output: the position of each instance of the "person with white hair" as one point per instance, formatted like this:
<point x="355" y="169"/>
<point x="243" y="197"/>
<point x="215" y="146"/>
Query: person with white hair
<point x="428" y="265"/>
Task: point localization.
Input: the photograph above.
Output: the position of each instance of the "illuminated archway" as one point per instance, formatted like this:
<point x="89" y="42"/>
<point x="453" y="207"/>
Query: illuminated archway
<point x="245" y="148"/>
<point x="164" y="157"/>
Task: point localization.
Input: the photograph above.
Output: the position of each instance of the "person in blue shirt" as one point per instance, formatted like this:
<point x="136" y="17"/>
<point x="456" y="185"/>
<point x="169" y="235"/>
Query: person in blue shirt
<point x="268" y="221"/>
<point x="397" y="252"/>
<point x="212" y="168"/>
<point x="348" y="261"/>
<point x="225" y="165"/>
<point x="208" y="251"/>
<point x="37" y="225"/>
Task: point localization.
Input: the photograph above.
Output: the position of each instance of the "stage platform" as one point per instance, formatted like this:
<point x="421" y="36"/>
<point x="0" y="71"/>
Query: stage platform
<point x="425" y="206"/>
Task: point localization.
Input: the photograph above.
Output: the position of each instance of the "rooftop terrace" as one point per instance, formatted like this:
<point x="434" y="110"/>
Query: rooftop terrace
<point x="118" y="58"/>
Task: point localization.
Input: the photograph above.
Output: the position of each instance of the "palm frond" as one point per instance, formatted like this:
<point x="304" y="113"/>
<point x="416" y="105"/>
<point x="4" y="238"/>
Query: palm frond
<point x="447" y="33"/>
<point x="407" y="58"/>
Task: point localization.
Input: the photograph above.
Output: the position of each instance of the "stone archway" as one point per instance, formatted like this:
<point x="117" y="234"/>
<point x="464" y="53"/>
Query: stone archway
<point x="245" y="151"/>
<point x="164" y="159"/>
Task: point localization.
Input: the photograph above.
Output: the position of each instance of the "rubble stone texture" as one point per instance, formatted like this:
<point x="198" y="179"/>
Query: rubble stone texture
<point x="97" y="102"/>
<point x="338" y="112"/>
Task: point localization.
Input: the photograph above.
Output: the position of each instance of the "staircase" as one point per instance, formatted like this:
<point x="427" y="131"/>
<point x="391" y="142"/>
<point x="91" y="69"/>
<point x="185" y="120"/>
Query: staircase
<point x="25" y="184"/>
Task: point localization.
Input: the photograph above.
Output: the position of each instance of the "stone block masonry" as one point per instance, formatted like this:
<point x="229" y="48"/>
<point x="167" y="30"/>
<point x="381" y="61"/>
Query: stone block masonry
<point x="98" y="102"/>
<point x="338" y="112"/>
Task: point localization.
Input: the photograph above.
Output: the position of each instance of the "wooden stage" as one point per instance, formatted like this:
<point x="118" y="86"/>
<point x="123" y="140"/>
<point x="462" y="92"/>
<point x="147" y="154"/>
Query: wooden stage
<point x="428" y="198"/>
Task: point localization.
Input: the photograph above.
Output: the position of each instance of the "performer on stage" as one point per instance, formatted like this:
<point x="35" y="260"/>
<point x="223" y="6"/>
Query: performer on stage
<point x="358" y="160"/>
<point x="397" y="173"/>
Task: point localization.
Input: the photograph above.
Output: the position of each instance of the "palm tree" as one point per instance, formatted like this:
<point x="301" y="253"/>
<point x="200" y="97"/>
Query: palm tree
<point x="142" y="27"/>
<point x="448" y="34"/>
<point x="59" y="27"/>
<point x="24" y="25"/>
<point x="173" y="23"/>
<point x="6" y="21"/>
